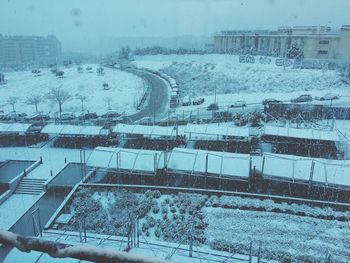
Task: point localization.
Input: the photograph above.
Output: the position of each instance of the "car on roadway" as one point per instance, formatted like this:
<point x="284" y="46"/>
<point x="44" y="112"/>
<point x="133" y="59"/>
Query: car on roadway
<point x="198" y="101"/>
<point x="328" y="96"/>
<point x="37" y="117"/>
<point x="238" y="104"/>
<point x="270" y="101"/>
<point x="88" y="116"/>
<point x="110" y="114"/>
<point x="67" y="116"/>
<point x="302" y="98"/>
<point x="16" y="116"/>
<point x="213" y="106"/>
<point x="4" y="117"/>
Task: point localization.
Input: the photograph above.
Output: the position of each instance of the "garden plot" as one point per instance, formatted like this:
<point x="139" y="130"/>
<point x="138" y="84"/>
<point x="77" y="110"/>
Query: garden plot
<point x="228" y="223"/>
<point x="124" y="89"/>
<point x="282" y="236"/>
<point x="200" y="75"/>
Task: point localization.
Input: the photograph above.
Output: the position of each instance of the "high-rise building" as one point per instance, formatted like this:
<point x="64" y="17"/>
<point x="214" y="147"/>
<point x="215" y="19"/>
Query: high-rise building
<point x="29" y="50"/>
<point x="319" y="42"/>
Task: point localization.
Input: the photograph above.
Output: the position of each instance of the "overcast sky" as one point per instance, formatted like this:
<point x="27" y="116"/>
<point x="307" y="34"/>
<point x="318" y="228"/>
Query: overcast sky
<point x="80" y="24"/>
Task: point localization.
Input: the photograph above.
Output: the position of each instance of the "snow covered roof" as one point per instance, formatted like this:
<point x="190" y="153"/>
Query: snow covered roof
<point x="311" y="134"/>
<point x="129" y="159"/>
<point x="145" y="130"/>
<point x="221" y="163"/>
<point x="14" y="127"/>
<point x="292" y="167"/>
<point x="217" y="129"/>
<point x="73" y="130"/>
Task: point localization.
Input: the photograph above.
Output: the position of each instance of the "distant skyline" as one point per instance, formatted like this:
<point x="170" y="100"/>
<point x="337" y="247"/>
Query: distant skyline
<point x="81" y="25"/>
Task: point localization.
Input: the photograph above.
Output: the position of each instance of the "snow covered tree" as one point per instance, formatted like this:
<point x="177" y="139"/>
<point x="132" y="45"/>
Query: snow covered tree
<point x="2" y="78"/>
<point x="295" y="52"/>
<point x="108" y="101"/>
<point x="100" y="71"/>
<point x="60" y="73"/>
<point x="34" y="99"/>
<point x="83" y="98"/>
<point x="59" y="95"/>
<point x="12" y="101"/>
<point x="124" y="53"/>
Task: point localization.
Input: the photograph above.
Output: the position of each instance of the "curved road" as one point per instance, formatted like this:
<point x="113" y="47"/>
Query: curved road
<point x="157" y="102"/>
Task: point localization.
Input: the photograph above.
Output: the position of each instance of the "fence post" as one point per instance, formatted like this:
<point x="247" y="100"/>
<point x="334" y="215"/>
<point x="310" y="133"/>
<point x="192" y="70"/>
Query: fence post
<point x="311" y="174"/>
<point x="250" y="251"/>
<point x="263" y="167"/>
<point x="206" y="169"/>
<point x="259" y="257"/>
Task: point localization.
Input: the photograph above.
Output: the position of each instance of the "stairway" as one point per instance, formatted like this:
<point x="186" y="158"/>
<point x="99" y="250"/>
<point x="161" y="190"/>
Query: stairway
<point x="30" y="186"/>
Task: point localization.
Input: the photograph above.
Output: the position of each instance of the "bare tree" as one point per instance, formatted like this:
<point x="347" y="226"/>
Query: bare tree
<point x="34" y="99"/>
<point x="83" y="98"/>
<point x="12" y="101"/>
<point x="59" y="95"/>
<point x="108" y="100"/>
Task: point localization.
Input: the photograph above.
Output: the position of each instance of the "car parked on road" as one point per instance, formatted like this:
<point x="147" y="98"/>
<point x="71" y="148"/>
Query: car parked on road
<point x="16" y="116"/>
<point x="302" y="98"/>
<point x="37" y="117"/>
<point x="213" y="106"/>
<point x="88" y="116"/>
<point x="4" y="117"/>
<point x="238" y="104"/>
<point x="328" y="96"/>
<point x="110" y="114"/>
<point x="67" y="116"/>
<point x="198" y="101"/>
<point x="270" y="101"/>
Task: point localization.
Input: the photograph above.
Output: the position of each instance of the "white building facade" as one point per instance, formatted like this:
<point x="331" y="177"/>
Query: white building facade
<point x="29" y="50"/>
<point x="316" y="42"/>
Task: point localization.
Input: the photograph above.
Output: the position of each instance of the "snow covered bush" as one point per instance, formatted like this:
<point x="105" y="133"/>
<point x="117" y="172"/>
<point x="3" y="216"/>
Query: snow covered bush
<point x="155" y="209"/>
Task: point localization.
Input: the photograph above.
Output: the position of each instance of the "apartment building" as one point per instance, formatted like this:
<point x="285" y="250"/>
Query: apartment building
<point x="29" y="50"/>
<point x="316" y="42"/>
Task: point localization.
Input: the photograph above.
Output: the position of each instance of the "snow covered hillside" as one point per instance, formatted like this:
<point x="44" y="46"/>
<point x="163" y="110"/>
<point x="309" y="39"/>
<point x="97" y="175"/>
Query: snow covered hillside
<point x="198" y="75"/>
<point x="124" y="88"/>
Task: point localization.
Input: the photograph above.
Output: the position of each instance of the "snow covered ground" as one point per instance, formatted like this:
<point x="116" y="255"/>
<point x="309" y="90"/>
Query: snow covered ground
<point x="53" y="158"/>
<point x="125" y="88"/>
<point x="53" y="161"/>
<point x="199" y="75"/>
<point x="299" y="236"/>
<point x="14" y="207"/>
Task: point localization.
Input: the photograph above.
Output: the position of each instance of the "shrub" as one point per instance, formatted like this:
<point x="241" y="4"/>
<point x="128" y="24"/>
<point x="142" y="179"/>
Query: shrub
<point x="182" y="210"/>
<point x="155" y="209"/>
<point x="164" y="210"/>
<point x="156" y="194"/>
<point x="149" y="193"/>
<point x="144" y="227"/>
<point x="151" y="222"/>
<point x="157" y="232"/>
<point x="173" y="209"/>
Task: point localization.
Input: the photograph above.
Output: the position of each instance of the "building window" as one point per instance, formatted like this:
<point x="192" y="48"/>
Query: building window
<point x="322" y="52"/>
<point x="324" y="42"/>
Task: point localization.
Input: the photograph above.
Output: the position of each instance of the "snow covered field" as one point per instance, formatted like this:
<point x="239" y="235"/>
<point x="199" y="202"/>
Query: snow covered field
<point x="199" y="75"/>
<point x="124" y="89"/>
<point x="279" y="233"/>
